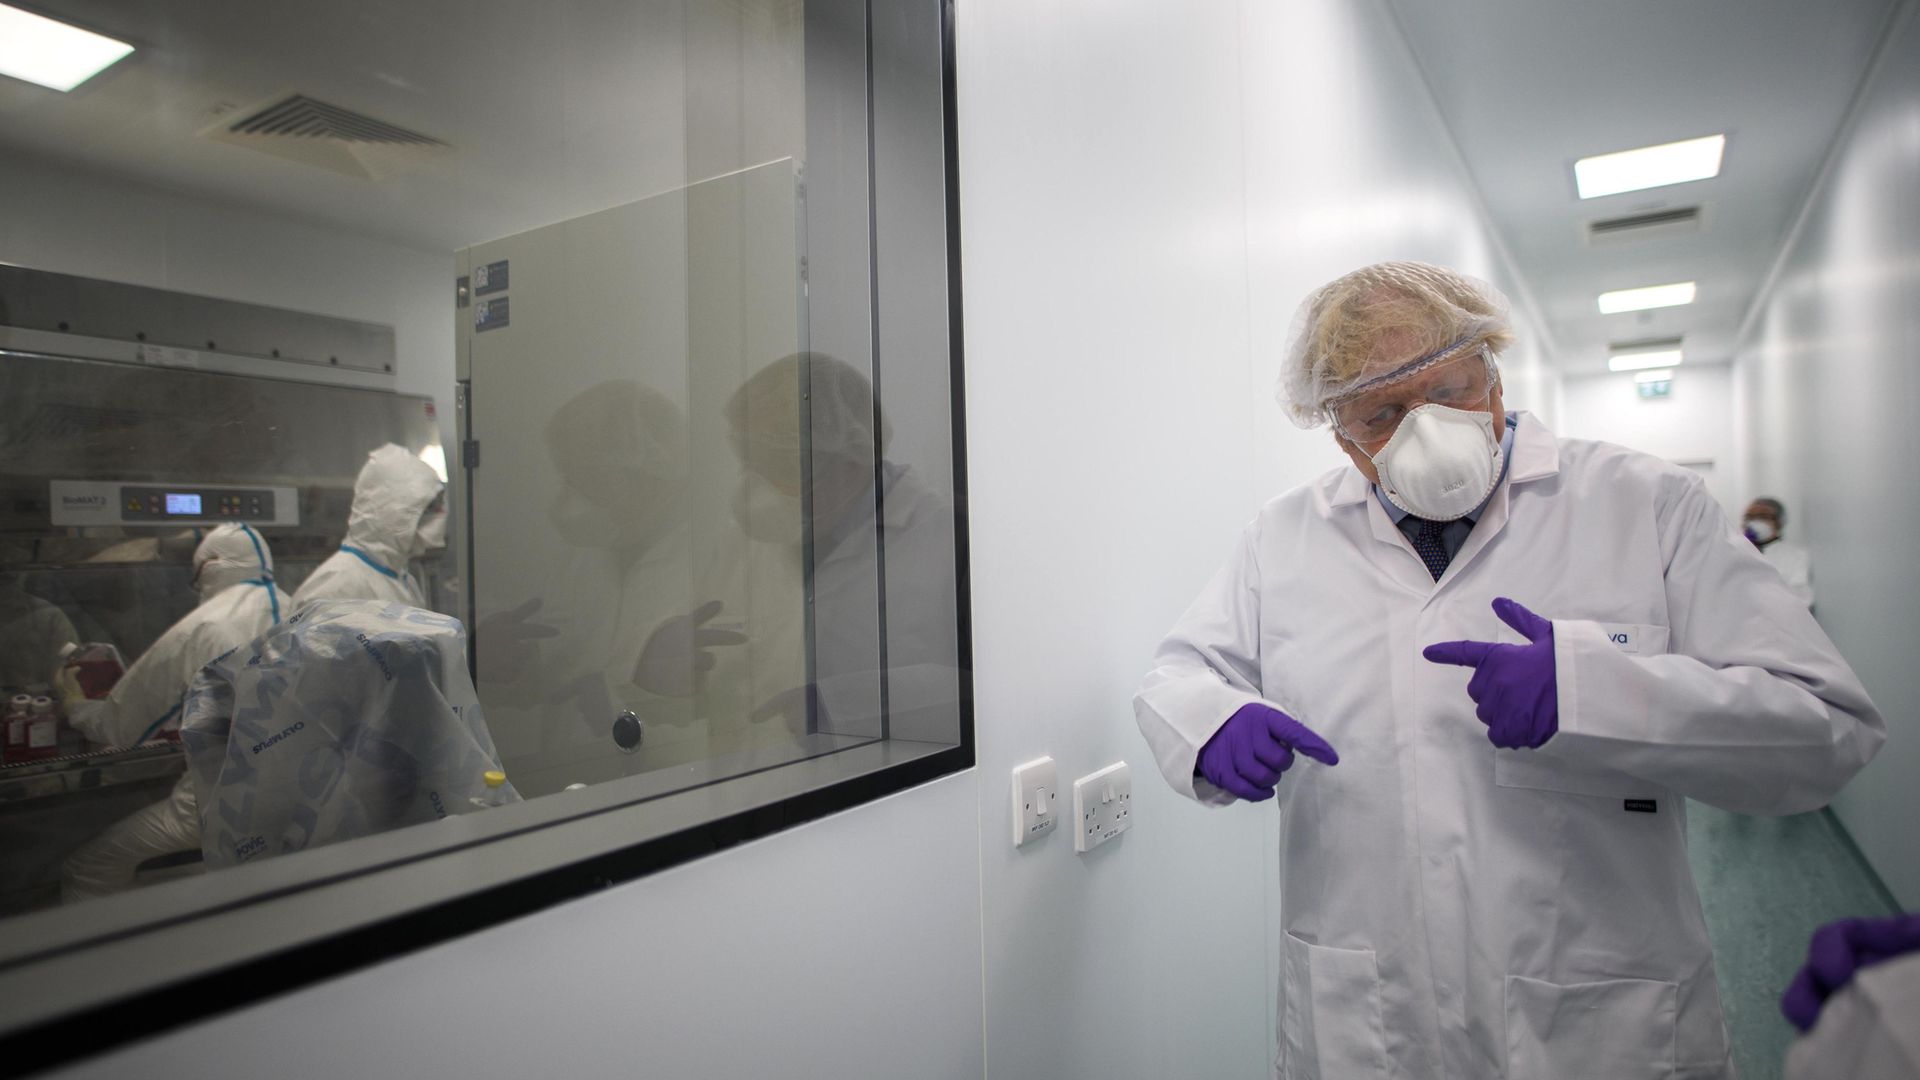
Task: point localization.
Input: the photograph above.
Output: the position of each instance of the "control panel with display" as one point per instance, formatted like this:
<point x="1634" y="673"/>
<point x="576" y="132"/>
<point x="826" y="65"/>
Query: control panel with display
<point x="107" y="502"/>
<point x="196" y="504"/>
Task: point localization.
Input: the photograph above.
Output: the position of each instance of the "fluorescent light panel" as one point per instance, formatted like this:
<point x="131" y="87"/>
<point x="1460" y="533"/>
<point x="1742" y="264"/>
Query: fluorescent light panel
<point x="1640" y="361"/>
<point x="53" y="54"/>
<point x="1661" y="375"/>
<point x="1649" y="167"/>
<point x="1653" y="296"/>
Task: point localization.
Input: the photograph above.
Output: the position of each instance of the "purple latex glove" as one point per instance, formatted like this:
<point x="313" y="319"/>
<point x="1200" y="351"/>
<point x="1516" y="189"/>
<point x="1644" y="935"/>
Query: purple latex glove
<point x="1513" y="686"/>
<point x="1838" y="950"/>
<point x="1256" y="744"/>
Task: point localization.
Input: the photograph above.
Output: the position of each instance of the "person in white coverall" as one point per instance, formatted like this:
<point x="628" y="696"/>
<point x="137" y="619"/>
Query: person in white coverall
<point x="399" y="511"/>
<point x="233" y="572"/>
<point x="1482" y="667"/>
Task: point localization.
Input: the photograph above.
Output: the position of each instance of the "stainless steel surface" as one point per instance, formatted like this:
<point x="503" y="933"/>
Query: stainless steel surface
<point x="61" y="303"/>
<point x="86" y="772"/>
<point x="70" y="419"/>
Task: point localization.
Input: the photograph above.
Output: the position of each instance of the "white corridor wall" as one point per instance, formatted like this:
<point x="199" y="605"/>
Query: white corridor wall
<point x="1827" y="368"/>
<point x="1148" y="190"/>
<point x="1692" y="427"/>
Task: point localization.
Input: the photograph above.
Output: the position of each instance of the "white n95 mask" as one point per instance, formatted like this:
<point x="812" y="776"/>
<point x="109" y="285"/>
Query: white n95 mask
<point x="1761" y="531"/>
<point x="1440" y="463"/>
<point x="432" y="532"/>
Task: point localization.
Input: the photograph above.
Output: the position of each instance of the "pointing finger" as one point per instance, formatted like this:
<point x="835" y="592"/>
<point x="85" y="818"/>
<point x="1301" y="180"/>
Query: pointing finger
<point x="1303" y="739"/>
<point x="1531" y="626"/>
<point x="1463" y="653"/>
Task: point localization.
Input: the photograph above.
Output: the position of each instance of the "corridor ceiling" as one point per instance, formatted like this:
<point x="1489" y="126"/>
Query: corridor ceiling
<point x="1528" y="86"/>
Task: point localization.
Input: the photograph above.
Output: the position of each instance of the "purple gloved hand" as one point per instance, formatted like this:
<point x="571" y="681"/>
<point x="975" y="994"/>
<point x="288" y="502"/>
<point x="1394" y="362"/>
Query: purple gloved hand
<point x="1513" y="686"/>
<point x="1256" y="744"/>
<point x="1838" y="950"/>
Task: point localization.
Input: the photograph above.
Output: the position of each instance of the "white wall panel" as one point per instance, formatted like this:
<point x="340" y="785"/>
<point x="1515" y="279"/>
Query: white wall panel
<point x="1827" y="372"/>
<point x="1693" y="426"/>
<point x="1148" y="192"/>
<point x="848" y="947"/>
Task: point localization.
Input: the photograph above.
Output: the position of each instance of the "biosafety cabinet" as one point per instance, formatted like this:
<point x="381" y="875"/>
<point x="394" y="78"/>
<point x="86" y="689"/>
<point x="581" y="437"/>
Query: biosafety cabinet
<point x="132" y="420"/>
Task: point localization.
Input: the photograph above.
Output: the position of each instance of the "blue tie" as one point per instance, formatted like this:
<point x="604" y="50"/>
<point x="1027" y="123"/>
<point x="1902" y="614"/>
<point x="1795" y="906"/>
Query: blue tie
<point x="1433" y="551"/>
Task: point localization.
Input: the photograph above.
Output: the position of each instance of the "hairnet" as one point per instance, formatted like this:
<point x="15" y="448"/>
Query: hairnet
<point x="1379" y="318"/>
<point x="230" y="554"/>
<point x="845" y="420"/>
<point x="1779" y="509"/>
<point x="620" y="438"/>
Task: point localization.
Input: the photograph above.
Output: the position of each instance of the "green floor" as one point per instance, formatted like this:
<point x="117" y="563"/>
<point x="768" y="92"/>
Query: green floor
<point x="1766" y="884"/>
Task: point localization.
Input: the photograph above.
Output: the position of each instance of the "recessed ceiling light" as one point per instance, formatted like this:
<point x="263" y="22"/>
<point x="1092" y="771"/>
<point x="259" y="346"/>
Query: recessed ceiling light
<point x="53" y="54"/>
<point x="1653" y="296"/>
<point x="1640" y="361"/>
<point x="1649" y="167"/>
<point x="1660" y="375"/>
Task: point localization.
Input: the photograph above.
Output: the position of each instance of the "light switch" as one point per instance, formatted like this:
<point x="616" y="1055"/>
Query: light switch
<point x="1102" y="806"/>
<point x="1035" y="787"/>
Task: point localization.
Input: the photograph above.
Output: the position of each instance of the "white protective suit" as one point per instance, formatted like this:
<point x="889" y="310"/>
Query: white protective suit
<point x="233" y="571"/>
<point x="391" y="493"/>
<point x="1866" y="1031"/>
<point x="1453" y="910"/>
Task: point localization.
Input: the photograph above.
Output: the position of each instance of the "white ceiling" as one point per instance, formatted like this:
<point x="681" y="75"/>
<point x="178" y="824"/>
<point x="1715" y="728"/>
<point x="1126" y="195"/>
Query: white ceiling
<point x="552" y="110"/>
<point x="1528" y="86"/>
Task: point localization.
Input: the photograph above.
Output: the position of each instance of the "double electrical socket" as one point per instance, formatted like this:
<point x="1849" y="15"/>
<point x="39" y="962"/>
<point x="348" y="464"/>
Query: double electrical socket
<point x="1102" y="803"/>
<point x="1102" y="806"/>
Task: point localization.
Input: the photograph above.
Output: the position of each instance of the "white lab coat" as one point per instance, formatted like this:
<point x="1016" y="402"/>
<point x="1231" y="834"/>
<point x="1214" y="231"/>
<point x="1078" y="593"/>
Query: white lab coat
<point x="1795" y="567"/>
<point x="1451" y="909"/>
<point x="391" y="492"/>
<point x="1866" y="1031"/>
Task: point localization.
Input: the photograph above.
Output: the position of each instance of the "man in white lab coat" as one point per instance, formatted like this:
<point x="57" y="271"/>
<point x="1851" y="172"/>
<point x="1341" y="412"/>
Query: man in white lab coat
<point x="1763" y="523"/>
<point x="1483" y="864"/>
<point x="399" y="512"/>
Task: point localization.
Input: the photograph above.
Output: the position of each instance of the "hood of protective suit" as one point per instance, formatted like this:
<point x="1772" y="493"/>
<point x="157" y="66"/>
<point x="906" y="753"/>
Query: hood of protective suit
<point x="394" y="488"/>
<point x="229" y="555"/>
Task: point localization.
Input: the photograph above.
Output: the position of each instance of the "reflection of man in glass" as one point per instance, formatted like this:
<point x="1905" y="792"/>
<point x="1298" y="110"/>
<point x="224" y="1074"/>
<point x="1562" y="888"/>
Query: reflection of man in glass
<point x="614" y="627"/>
<point x="811" y="415"/>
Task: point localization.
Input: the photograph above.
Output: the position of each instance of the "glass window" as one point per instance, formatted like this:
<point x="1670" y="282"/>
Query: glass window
<point x="464" y="455"/>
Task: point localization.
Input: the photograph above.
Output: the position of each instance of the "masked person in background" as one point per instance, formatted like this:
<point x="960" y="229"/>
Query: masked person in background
<point x="399" y="512"/>
<point x="233" y="573"/>
<point x="1764" y="520"/>
<point x="1483" y="872"/>
<point x="868" y="513"/>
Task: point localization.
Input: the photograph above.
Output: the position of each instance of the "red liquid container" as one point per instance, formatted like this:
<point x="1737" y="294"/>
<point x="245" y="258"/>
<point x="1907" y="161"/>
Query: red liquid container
<point x="97" y="666"/>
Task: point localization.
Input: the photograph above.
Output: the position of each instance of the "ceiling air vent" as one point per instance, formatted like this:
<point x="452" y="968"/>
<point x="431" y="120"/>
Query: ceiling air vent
<point x="327" y="136"/>
<point x="1685" y="219"/>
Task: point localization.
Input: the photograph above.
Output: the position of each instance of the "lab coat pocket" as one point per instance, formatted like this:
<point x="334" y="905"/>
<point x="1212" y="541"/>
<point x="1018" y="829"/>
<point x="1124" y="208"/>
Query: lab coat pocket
<point x="1620" y="1029"/>
<point x="1636" y="639"/>
<point x="1331" y="1023"/>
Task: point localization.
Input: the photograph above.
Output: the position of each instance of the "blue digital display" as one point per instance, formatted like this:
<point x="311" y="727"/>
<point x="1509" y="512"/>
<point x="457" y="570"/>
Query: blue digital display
<point x="183" y="504"/>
